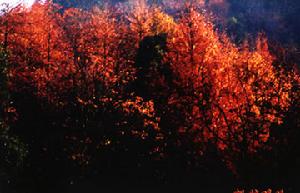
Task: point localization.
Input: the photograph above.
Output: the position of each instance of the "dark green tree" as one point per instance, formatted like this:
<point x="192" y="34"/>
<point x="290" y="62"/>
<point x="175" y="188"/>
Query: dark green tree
<point x="12" y="150"/>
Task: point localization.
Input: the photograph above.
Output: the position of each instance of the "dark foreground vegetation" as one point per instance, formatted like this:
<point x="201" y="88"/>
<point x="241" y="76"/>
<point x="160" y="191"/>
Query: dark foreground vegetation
<point x="137" y="97"/>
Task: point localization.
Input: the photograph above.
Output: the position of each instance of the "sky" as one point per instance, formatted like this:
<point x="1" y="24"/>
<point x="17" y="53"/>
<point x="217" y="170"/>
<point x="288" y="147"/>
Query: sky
<point x="16" y="2"/>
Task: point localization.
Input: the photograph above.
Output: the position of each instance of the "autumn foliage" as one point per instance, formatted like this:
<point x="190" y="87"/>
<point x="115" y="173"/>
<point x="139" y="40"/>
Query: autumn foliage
<point x="197" y="85"/>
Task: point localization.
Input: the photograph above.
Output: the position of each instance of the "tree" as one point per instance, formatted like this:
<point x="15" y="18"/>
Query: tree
<point x="109" y="65"/>
<point x="13" y="150"/>
<point x="229" y="95"/>
<point x="138" y="73"/>
<point x="147" y="21"/>
<point x="191" y="51"/>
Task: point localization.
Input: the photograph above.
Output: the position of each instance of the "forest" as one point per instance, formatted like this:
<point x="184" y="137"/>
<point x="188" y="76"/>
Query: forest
<point x="144" y="96"/>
